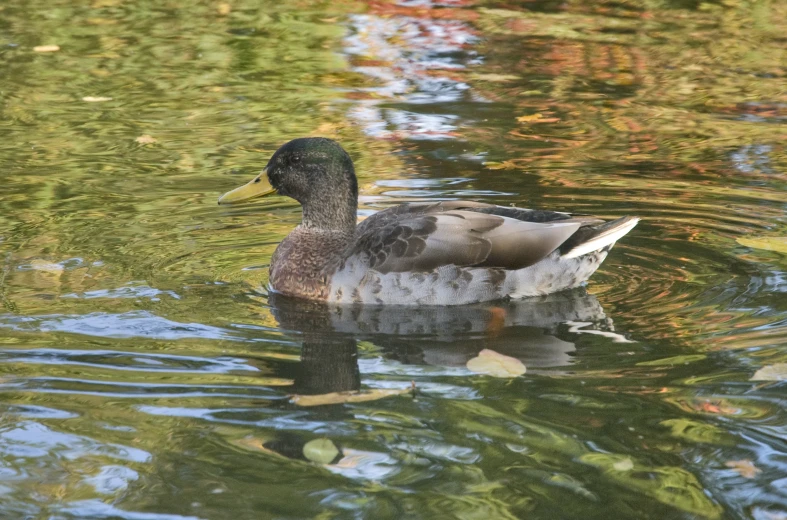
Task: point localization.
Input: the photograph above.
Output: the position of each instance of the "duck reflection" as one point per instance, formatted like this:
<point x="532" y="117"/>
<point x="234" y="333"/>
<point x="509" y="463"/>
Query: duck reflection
<point x="537" y="331"/>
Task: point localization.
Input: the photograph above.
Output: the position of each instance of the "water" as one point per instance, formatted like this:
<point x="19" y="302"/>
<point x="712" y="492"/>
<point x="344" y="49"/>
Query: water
<point x="144" y="378"/>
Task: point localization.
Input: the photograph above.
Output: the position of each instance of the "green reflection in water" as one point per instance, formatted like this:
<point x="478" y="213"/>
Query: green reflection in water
<point x="142" y="375"/>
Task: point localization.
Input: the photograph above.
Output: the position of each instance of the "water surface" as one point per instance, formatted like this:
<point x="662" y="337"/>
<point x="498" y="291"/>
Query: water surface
<point x="146" y="376"/>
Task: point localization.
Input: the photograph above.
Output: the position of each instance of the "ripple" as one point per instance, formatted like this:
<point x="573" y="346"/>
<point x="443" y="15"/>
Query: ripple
<point x="95" y="508"/>
<point x="132" y="324"/>
<point x="119" y="360"/>
<point x="131" y="390"/>
<point x="39" y="412"/>
<point x="130" y="291"/>
<point x="28" y="439"/>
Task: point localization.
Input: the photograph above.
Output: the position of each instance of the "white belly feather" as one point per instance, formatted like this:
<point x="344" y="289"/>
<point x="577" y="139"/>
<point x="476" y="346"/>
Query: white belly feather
<point x="452" y="285"/>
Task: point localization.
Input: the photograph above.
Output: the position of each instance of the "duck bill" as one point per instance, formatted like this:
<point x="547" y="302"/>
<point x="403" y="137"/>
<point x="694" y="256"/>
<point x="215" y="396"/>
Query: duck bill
<point x="259" y="186"/>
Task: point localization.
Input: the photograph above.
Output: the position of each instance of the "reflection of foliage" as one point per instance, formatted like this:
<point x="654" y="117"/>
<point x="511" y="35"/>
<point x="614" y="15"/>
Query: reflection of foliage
<point x="194" y="93"/>
<point x="696" y="431"/>
<point x="670" y="109"/>
<point x="668" y="484"/>
<point x="646" y="107"/>
<point x="632" y="76"/>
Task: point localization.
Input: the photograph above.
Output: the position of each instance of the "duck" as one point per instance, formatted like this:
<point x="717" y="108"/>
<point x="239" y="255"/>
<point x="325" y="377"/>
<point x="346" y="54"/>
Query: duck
<point x="448" y="252"/>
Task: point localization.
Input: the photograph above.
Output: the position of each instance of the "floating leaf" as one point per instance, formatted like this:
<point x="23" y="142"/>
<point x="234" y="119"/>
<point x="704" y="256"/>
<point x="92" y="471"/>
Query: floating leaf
<point x="495" y="165"/>
<point x="43" y="265"/>
<point x="623" y="465"/>
<point x="531" y="117"/>
<point x="491" y="363"/>
<point x="775" y="372"/>
<point x="778" y="244"/>
<point x="146" y="139"/>
<point x="224" y="9"/>
<point x="496" y="78"/>
<point x="346" y="397"/>
<point x="322" y="451"/>
<point x="537" y="118"/>
<point x="46" y="48"/>
<point x="745" y="468"/>
<point x="675" y="360"/>
<point x="96" y="99"/>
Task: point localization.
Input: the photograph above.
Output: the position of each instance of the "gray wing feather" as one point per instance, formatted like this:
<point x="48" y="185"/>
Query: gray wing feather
<point x="424" y="236"/>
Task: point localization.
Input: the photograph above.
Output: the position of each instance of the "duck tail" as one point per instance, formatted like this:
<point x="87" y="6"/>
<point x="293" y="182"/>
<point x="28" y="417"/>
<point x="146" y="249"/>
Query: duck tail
<point x="593" y="238"/>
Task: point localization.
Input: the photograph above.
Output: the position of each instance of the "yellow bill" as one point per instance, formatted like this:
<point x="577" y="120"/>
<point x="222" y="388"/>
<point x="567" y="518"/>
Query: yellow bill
<point x="259" y="186"/>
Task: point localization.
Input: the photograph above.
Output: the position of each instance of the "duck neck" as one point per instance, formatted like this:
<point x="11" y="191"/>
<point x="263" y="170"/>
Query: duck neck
<point x="331" y="214"/>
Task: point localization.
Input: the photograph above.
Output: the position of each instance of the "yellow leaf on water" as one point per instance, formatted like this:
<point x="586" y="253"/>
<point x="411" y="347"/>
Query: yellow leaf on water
<point x="775" y="372"/>
<point x="532" y="117"/>
<point x="46" y="48"/>
<point x="322" y="451"/>
<point x="495" y="78"/>
<point x="346" y="397"/>
<point x="744" y="467"/>
<point x="675" y="360"/>
<point x="489" y="362"/>
<point x="778" y="244"/>
<point x="494" y="165"/>
<point x="224" y="8"/>
<point x="145" y="139"/>
<point x="96" y="99"/>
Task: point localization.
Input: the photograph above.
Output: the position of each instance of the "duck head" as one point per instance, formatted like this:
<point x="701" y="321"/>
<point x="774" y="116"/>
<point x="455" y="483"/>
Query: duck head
<point x="316" y="172"/>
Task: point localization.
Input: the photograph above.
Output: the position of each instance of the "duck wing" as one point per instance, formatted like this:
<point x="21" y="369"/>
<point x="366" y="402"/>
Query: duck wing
<point x="593" y="233"/>
<point x="423" y="236"/>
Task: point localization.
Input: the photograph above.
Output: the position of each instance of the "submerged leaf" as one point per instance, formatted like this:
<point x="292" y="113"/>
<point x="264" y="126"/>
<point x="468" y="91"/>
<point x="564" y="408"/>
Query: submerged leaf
<point x="778" y="244"/>
<point x="675" y="360"/>
<point x="495" y="77"/>
<point x="623" y="465"/>
<point x="745" y="468"/>
<point x="346" y="397"/>
<point x="146" y="139"/>
<point x="322" y="451"/>
<point x="775" y="372"/>
<point x="669" y="485"/>
<point x="489" y="362"/>
<point x="43" y="265"/>
<point x="531" y="117"/>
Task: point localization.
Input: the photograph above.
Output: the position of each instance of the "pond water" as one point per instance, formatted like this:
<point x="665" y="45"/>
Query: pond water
<point x="145" y="376"/>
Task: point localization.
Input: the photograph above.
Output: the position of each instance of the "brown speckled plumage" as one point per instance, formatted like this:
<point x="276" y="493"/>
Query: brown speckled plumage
<point x="445" y="253"/>
<point x="316" y="254"/>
